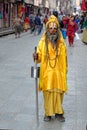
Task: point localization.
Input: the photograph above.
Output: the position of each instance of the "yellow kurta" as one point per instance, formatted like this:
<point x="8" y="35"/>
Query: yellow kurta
<point x="52" y="78"/>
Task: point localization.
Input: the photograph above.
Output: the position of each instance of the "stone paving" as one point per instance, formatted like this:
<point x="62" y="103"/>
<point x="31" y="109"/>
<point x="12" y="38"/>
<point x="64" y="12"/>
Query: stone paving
<point x="17" y="88"/>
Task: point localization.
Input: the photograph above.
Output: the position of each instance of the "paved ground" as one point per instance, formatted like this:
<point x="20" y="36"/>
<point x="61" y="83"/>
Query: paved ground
<point x="17" y="88"/>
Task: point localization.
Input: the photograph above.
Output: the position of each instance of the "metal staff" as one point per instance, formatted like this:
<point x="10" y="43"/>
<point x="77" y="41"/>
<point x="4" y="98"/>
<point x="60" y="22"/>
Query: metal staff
<point x="35" y="74"/>
<point x="36" y="86"/>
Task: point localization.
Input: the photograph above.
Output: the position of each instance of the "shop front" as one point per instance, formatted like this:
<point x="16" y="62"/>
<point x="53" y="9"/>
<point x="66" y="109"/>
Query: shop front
<point x="1" y="13"/>
<point x="46" y="9"/>
<point x="13" y="11"/>
<point x="7" y="13"/>
<point x="20" y="7"/>
<point x="4" y="13"/>
<point x="29" y="7"/>
<point x="38" y="6"/>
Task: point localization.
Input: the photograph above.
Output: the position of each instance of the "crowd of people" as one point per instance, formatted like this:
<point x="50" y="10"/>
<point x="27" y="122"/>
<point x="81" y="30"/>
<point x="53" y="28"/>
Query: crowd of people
<point x="72" y="25"/>
<point x="32" y="22"/>
<point x="69" y="25"/>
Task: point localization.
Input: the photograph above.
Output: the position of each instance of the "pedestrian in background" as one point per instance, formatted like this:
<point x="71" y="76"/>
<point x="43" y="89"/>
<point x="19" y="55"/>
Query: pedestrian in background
<point x="41" y="26"/>
<point x="17" y="25"/>
<point x="52" y="56"/>
<point x="45" y="19"/>
<point x="71" y="29"/>
<point x="32" y="22"/>
<point x="37" y="24"/>
<point x="61" y="23"/>
<point x="63" y="26"/>
<point x="27" y="23"/>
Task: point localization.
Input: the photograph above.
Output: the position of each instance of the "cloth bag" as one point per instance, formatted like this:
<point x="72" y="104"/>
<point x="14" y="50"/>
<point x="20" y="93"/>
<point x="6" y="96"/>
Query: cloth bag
<point x="84" y="36"/>
<point x="77" y="36"/>
<point x="64" y="33"/>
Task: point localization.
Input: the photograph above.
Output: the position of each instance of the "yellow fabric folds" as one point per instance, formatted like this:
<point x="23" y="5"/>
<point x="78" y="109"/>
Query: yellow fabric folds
<point x="53" y="100"/>
<point x="52" y="78"/>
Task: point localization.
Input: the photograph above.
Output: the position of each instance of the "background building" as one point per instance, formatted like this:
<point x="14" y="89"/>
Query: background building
<point x="9" y="9"/>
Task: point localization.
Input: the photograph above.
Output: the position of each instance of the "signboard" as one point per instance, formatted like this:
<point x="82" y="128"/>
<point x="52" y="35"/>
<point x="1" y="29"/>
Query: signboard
<point x="29" y="1"/>
<point x="46" y="4"/>
<point x="12" y="1"/>
<point x="19" y="0"/>
<point x="36" y="2"/>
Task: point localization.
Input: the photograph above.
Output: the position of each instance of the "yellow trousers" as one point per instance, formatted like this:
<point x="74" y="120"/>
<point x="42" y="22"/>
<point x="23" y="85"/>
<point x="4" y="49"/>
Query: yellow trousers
<point x="53" y="103"/>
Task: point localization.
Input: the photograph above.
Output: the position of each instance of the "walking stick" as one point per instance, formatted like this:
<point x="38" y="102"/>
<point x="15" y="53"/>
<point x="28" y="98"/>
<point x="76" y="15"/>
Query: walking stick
<point x="34" y="74"/>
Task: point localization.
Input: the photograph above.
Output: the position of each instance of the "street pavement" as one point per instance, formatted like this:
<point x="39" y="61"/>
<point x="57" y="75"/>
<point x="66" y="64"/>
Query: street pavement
<point x="17" y="88"/>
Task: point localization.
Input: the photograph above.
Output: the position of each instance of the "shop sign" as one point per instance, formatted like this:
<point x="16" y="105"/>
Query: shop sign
<point x="36" y="2"/>
<point x="47" y="4"/>
<point x="19" y="0"/>
<point x="5" y="1"/>
<point x="12" y="1"/>
<point x="77" y="3"/>
<point x="40" y="2"/>
<point x="29" y="1"/>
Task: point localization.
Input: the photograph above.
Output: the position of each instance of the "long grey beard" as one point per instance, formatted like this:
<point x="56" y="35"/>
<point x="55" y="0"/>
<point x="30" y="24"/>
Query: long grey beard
<point x="52" y="37"/>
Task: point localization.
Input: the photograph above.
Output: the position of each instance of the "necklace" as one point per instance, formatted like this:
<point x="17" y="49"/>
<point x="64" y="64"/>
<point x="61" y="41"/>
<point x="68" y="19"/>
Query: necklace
<point x="51" y="59"/>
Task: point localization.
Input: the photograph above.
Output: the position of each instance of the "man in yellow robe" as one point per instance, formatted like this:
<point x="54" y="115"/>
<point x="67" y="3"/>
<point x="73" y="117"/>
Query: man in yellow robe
<point x="52" y="56"/>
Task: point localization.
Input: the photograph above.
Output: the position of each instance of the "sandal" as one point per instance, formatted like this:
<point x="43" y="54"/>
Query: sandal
<point x="60" y="117"/>
<point x="47" y="118"/>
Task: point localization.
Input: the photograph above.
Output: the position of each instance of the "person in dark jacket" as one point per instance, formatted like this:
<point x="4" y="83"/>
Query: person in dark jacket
<point x="37" y="24"/>
<point x="55" y="13"/>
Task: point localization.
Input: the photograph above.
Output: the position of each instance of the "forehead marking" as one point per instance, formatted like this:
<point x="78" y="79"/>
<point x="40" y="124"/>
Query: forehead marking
<point x="52" y="25"/>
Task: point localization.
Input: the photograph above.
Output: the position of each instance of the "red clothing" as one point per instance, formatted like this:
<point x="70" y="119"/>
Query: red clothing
<point x="72" y="27"/>
<point x="83" y="6"/>
<point x="27" y="23"/>
<point x="27" y="20"/>
<point x="45" y="20"/>
<point x="65" y="22"/>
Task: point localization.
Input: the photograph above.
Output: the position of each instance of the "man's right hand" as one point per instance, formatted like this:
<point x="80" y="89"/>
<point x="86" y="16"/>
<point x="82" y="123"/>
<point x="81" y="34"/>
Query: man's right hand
<point x="35" y="56"/>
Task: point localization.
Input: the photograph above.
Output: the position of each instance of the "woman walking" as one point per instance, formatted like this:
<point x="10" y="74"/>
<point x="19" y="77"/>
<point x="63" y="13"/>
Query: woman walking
<point x="71" y="29"/>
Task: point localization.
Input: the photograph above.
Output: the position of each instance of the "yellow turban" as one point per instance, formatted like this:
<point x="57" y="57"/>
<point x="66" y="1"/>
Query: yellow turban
<point x="52" y="19"/>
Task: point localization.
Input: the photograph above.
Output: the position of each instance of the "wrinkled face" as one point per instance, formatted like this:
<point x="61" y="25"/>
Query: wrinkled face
<point x="52" y="32"/>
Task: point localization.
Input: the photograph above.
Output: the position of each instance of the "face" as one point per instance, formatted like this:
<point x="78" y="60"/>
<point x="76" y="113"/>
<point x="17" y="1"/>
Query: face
<point x="72" y="18"/>
<point x="52" y="28"/>
<point x="52" y="32"/>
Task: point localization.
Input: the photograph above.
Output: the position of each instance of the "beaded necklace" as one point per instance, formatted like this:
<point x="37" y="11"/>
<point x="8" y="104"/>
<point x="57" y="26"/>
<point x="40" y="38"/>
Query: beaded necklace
<point x="48" y="55"/>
